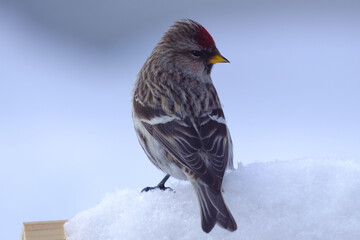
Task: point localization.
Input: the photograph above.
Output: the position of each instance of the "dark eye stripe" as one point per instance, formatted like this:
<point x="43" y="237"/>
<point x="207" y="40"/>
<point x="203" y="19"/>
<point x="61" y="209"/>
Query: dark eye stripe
<point x="196" y="53"/>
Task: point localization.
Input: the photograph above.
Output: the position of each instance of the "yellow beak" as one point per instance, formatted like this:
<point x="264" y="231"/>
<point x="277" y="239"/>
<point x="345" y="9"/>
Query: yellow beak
<point x="218" y="59"/>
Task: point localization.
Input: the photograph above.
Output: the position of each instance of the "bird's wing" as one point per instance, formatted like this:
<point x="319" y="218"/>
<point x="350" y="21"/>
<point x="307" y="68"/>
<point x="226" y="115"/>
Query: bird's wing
<point x="201" y="144"/>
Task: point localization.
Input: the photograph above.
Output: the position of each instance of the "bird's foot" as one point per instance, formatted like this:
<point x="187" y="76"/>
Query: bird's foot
<point x="160" y="186"/>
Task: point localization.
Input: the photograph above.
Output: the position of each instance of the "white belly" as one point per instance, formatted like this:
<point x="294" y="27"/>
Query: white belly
<point x="156" y="152"/>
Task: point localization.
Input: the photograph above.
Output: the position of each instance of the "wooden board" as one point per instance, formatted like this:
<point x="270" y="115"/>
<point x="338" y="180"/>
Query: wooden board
<point x="47" y="230"/>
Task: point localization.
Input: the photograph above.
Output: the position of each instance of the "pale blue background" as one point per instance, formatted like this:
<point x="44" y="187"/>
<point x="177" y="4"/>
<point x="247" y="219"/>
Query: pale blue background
<point x="66" y="74"/>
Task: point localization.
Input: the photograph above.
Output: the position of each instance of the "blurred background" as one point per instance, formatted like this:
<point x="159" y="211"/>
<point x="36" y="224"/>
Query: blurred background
<point x="66" y="72"/>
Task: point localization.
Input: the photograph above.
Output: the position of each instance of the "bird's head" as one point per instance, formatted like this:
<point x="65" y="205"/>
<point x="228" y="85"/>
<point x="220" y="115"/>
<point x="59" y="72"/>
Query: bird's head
<point x="188" y="47"/>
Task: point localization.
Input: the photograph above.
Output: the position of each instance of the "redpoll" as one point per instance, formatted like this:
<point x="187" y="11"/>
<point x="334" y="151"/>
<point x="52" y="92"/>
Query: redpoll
<point x="179" y="120"/>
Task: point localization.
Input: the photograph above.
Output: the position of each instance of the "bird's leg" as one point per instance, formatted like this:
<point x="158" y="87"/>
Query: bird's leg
<point x="160" y="186"/>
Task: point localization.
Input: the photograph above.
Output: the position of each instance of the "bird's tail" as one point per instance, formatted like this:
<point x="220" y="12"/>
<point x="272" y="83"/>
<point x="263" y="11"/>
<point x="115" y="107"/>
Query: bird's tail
<point x="213" y="208"/>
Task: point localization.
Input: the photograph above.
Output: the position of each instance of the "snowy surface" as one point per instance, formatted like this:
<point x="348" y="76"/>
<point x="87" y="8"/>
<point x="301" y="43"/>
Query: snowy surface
<point x="299" y="199"/>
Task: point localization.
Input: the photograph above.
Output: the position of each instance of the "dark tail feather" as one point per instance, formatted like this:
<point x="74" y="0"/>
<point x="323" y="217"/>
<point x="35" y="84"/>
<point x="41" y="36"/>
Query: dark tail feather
<point x="213" y="208"/>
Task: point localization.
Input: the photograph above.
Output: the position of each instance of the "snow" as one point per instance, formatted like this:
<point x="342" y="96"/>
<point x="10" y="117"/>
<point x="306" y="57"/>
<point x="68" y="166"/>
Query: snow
<point x="298" y="199"/>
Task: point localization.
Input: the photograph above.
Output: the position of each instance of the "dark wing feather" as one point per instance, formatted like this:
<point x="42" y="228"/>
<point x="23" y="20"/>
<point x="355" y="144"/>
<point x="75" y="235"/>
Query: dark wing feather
<point x="201" y="145"/>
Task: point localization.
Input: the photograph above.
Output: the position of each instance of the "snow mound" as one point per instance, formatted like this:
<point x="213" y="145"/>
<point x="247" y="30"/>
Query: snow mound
<point x="300" y="199"/>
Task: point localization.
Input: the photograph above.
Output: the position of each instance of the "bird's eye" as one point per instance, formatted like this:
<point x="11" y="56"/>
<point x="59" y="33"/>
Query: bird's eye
<point x="196" y="53"/>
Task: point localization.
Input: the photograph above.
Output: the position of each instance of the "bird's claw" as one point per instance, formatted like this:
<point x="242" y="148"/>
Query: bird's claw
<point x="163" y="188"/>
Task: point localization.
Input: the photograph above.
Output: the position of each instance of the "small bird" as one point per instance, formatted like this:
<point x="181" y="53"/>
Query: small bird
<point x="179" y="120"/>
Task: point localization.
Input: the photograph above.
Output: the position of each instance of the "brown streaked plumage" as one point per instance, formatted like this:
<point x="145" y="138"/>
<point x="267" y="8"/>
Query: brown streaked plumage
<point x="179" y="120"/>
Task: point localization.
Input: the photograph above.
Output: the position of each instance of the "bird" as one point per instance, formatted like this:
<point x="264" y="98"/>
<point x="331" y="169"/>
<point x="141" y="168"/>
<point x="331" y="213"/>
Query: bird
<point x="179" y="121"/>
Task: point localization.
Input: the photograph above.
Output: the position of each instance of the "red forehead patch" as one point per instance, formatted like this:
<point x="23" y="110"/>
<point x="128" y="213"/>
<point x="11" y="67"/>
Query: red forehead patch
<point x="204" y="38"/>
